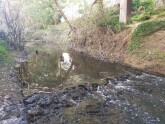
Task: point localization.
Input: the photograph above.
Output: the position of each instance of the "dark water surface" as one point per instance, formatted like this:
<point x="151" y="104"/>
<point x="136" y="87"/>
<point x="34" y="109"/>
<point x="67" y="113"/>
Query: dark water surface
<point x="98" y="92"/>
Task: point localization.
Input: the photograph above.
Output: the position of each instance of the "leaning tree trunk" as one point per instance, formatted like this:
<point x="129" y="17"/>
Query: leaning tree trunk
<point x="62" y="13"/>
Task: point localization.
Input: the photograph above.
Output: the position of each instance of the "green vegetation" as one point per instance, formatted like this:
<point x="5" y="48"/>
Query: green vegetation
<point x="146" y="5"/>
<point x="4" y="55"/>
<point x="143" y="30"/>
<point x="111" y="19"/>
<point x="158" y="11"/>
<point x="141" y="17"/>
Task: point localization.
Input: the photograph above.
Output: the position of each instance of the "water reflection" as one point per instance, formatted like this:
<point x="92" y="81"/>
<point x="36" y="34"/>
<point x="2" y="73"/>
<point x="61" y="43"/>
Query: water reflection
<point x="47" y="69"/>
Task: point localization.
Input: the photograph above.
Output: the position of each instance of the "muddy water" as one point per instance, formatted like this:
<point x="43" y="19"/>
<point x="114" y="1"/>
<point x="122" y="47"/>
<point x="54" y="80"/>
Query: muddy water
<point x="91" y="91"/>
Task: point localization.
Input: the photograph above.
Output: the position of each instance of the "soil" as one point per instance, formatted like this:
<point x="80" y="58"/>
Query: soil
<point x="148" y="60"/>
<point x="115" y="49"/>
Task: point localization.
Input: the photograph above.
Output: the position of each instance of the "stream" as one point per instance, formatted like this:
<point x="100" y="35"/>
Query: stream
<point x="67" y="87"/>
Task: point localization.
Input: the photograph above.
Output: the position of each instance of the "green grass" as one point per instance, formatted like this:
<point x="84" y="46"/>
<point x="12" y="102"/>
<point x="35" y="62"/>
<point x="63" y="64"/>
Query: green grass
<point x="141" y="17"/>
<point x="4" y="54"/>
<point x="144" y="29"/>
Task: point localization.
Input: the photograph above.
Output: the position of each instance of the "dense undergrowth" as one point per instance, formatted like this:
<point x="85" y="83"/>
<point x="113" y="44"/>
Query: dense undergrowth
<point x="157" y="12"/>
<point x="111" y="19"/>
<point x="4" y="54"/>
<point x="143" y="30"/>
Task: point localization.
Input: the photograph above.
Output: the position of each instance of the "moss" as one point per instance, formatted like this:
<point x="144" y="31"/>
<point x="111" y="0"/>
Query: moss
<point x="144" y="29"/>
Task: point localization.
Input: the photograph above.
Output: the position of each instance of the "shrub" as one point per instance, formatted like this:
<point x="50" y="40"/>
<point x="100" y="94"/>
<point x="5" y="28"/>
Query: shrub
<point x="112" y="19"/>
<point x="146" y="4"/>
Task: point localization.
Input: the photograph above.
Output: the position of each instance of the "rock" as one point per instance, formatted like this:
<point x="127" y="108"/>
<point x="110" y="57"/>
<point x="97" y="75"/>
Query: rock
<point x="7" y="97"/>
<point x="70" y="103"/>
<point x="81" y="86"/>
<point x="9" y="108"/>
<point x="92" y="109"/>
<point x="77" y="95"/>
<point x="30" y="100"/>
<point x="56" y="100"/>
<point x="3" y="114"/>
<point x="14" y="120"/>
<point x="45" y="89"/>
<point x="35" y="112"/>
<point x="44" y="101"/>
<point x="94" y="86"/>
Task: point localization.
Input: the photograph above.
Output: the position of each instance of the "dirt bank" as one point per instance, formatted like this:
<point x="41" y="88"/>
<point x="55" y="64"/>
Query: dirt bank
<point x="150" y="57"/>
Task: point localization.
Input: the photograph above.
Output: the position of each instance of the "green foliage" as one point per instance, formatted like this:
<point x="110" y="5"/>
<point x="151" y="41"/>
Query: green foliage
<point x="136" y="4"/>
<point x="112" y="19"/>
<point x="145" y="4"/>
<point x="148" y="4"/>
<point x="42" y="11"/>
<point x="141" y="17"/>
<point x="4" y="55"/>
<point x="160" y="12"/>
<point x="143" y="30"/>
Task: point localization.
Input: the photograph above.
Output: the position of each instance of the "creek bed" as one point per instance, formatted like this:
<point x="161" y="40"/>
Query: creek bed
<point x="70" y="88"/>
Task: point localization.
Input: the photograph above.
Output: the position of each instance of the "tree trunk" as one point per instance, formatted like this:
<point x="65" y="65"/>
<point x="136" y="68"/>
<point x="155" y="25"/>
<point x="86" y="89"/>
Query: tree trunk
<point x="62" y="13"/>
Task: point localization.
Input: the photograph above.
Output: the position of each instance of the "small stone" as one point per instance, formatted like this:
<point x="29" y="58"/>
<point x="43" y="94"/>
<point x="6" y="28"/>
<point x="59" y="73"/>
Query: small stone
<point x="45" y="89"/>
<point x="44" y="101"/>
<point x="70" y="103"/>
<point x="35" y="112"/>
<point x="30" y="100"/>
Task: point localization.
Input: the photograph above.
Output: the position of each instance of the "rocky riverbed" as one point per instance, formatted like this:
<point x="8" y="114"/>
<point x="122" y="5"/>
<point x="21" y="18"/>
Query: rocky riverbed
<point x="12" y="110"/>
<point x="136" y="98"/>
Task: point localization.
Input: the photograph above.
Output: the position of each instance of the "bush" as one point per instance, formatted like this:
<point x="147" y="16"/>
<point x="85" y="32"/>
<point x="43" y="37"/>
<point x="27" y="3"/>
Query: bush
<point x="112" y="19"/>
<point x="135" y="4"/>
<point x="146" y="4"/>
